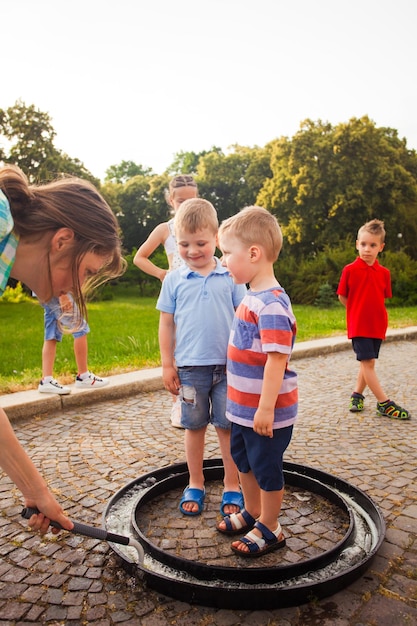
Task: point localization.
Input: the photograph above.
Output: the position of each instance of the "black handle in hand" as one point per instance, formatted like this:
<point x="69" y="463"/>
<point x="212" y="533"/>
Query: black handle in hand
<point x="83" y="529"/>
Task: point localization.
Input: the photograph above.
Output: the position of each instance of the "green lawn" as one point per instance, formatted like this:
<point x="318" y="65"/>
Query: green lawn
<point x="124" y="337"/>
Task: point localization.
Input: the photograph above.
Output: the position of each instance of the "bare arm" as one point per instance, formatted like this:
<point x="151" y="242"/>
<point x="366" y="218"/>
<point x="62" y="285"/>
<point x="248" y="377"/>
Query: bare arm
<point x="343" y="300"/>
<point x="16" y="463"/>
<point x="157" y="237"/>
<point x="166" y="346"/>
<point x="273" y="376"/>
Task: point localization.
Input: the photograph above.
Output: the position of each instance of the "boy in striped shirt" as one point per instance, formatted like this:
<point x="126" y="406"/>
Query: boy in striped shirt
<point x="262" y="394"/>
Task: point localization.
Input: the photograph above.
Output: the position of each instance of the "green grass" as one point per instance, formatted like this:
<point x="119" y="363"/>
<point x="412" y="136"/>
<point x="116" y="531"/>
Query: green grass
<point x="124" y="337"/>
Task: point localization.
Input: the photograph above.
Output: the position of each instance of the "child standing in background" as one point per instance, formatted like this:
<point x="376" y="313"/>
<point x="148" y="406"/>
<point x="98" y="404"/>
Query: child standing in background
<point x="182" y="187"/>
<point x="197" y="304"/>
<point x="363" y="287"/>
<point x="262" y="393"/>
<point x="62" y="313"/>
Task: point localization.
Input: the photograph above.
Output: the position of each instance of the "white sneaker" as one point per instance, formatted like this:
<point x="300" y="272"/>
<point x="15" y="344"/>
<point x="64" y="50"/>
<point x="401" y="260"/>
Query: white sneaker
<point x="176" y="414"/>
<point x="91" y="382"/>
<point x="53" y="386"/>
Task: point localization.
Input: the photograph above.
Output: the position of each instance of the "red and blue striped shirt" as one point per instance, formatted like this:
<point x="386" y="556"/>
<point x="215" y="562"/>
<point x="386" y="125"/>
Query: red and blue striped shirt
<point x="264" y="322"/>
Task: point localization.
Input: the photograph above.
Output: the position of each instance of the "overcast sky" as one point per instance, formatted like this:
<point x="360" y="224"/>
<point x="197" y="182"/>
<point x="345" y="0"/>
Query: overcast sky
<point x="141" y="80"/>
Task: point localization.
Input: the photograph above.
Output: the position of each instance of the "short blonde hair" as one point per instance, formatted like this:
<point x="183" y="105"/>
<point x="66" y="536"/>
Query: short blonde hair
<point x="374" y="227"/>
<point x="194" y="215"/>
<point x="254" y="225"/>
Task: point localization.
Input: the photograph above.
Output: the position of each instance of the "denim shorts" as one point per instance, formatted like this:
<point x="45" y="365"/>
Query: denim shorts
<point x="261" y="455"/>
<point x="52" y="329"/>
<point x="366" y="348"/>
<point x="203" y="395"/>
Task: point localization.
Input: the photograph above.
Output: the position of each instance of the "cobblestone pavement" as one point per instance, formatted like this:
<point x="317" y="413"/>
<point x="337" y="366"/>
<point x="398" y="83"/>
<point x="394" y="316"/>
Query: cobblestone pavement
<point x="89" y="453"/>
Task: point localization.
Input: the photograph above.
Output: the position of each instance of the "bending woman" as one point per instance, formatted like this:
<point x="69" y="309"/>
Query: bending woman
<point x="55" y="238"/>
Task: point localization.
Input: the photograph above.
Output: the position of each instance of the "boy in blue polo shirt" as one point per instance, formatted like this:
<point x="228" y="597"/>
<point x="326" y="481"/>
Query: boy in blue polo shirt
<point x="197" y="304"/>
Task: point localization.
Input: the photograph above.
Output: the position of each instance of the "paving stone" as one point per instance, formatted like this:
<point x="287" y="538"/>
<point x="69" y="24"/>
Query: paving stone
<point x="88" y="453"/>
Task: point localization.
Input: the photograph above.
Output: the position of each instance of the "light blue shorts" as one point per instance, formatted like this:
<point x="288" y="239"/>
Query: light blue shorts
<point x="52" y="328"/>
<point x="203" y="396"/>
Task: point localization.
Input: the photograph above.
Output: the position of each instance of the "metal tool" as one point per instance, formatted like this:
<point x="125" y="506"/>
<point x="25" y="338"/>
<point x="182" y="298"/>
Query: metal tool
<point x="93" y="531"/>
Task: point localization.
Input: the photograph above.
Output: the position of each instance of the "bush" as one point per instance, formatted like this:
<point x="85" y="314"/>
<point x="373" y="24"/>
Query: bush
<point x="326" y="298"/>
<point x="304" y="280"/>
<point x="15" y="295"/>
<point x="403" y="276"/>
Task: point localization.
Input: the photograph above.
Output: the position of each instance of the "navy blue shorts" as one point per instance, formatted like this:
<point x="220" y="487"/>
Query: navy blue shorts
<point x="366" y="348"/>
<point x="261" y="455"/>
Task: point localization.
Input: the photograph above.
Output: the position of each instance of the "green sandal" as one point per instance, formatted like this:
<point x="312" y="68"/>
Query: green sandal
<point x="393" y="410"/>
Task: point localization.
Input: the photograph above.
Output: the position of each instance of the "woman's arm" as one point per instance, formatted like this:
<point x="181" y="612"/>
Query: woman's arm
<point x="16" y="463"/>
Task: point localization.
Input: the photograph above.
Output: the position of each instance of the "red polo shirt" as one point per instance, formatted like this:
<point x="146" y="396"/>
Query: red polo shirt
<point x="365" y="287"/>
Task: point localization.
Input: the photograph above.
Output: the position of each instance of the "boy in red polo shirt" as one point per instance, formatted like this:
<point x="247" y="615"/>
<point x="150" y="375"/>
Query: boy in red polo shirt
<point x="363" y="287"/>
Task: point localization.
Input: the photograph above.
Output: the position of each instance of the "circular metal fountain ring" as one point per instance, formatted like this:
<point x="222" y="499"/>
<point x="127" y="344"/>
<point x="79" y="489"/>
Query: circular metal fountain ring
<point x="258" y="575"/>
<point x="243" y="587"/>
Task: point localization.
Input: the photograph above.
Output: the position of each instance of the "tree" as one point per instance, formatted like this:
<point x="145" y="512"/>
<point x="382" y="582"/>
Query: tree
<point x="187" y="162"/>
<point x="139" y="205"/>
<point x="233" y="181"/>
<point x="125" y="170"/>
<point x="326" y="182"/>
<point x="30" y="137"/>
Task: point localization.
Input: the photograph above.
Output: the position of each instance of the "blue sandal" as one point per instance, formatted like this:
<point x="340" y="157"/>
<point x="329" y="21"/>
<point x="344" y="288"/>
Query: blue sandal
<point x="261" y="545"/>
<point x="193" y="495"/>
<point x="231" y="497"/>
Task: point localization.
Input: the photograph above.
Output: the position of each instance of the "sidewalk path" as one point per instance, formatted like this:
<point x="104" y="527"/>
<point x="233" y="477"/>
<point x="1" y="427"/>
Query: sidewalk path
<point x="89" y="445"/>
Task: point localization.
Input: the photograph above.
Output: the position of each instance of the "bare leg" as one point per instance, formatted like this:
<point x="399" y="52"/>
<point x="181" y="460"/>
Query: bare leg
<point x="252" y="496"/>
<point x="231" y="475"/>
<point x="81" y="354"/>
<point x="194" y="454"/>
<point x="48" y="357"/>
<point x="360" y="382"/>
<point x="371" y="379"/>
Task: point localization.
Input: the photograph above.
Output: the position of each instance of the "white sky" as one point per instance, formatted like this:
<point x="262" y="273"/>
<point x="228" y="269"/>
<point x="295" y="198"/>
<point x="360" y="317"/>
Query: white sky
<point x="141" y="80"/>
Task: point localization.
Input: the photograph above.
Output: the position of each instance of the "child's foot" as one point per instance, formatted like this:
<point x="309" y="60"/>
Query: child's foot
<point x="356" y="402"/>
<point x="259" y="541"/>
<point x="91" y="381"/>
<point x="232" y="502"/>
<point x="393" y="410"/>
<point x="192" y="501"/>
<point x="53" y="386"/>
<point x="236" y="523"/>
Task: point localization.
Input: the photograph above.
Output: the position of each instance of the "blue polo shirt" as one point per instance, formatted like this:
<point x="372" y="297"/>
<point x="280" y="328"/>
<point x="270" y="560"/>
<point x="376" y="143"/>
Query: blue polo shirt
<point x="203" y="308"/>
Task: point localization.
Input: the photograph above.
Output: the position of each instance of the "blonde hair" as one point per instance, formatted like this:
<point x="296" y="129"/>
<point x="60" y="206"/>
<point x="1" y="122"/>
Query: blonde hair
<point x="374" y="227"/>
<point x="67" y="202"/>
<point x="194" y="215"/>
<point x="254" y="225"/>
<point x="178" y="182"/>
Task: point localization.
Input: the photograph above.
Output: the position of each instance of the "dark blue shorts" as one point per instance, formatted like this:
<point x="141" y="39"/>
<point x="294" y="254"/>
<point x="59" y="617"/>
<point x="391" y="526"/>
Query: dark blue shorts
<point x="261" y="455"/>
<point x="366" y="348"/>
